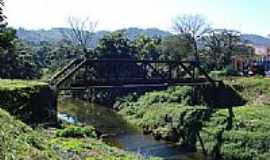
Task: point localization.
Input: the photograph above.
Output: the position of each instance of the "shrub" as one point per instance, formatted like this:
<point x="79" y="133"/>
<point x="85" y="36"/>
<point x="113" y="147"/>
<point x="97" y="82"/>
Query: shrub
<point x="228" y="71"/>
<point x="174" y="94"/>
<point x="218" y="74"/>
<point x="76" y="132"/>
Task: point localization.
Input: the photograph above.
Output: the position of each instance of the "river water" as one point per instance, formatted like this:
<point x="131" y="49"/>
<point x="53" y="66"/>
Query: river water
<point x="120" y="133"/>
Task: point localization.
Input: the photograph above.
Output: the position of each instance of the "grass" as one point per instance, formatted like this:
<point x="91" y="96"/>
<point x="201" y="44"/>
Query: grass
<point x="166" y="115"/>
<point x="91" y="149"/>
<point x="11" y="85"/>
<point x="243" y="133"/>
<point x="19" y="141"/>
<point x="249" y="137"/>
<point x="28" y="100"/>
<point x="77" y="132"/>
<point x="254" y="89"/>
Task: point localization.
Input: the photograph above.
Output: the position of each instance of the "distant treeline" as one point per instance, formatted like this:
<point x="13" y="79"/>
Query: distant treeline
<point x="35" y="54"/>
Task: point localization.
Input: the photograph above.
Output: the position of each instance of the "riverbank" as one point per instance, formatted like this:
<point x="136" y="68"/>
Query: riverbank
<point x="20" y="141"/>
<point x="117" y="132"/>
<point x="227" y="133"/>
<point x="31" y="101"/>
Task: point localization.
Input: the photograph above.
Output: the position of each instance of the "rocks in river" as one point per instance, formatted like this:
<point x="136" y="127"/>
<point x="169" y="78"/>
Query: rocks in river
<point x="98" y="133"/>
<point x="173" y="135"/>
<point x="116" y="105"/>
<point x="147" y="130"/>
<point x="104" y="136"/>
<point x="168" y="134"/>
<point x="157" y="135"/>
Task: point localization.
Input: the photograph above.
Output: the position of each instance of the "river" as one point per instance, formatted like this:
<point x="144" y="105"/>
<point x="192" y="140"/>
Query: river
<point x="120" y="133"/>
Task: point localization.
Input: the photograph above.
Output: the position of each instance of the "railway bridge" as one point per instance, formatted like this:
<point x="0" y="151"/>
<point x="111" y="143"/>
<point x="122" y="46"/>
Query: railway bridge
<point x="84" y="73"/>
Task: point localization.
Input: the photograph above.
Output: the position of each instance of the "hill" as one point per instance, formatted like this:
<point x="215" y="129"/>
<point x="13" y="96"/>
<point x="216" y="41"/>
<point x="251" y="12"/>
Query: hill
<point x="256" y="39"/>
<point x="55" y="34"/>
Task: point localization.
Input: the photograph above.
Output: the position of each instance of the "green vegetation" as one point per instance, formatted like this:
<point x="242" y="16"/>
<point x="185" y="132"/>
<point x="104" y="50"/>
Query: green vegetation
<point x="254" y="89"/>
<point x="228" y="133"/>
<point x="76" y="132"/>
<point x="31" y="101"/>
<point x="16" y="59"/>
<point x="104" y="120"/>
<point x="19" y="141"/>
<point x="247" y="137"/>
<point x="40" y="57"/>
<point x="7" y="84"/>
<point x="167" y="115"/>
<point x="223" y="132"/>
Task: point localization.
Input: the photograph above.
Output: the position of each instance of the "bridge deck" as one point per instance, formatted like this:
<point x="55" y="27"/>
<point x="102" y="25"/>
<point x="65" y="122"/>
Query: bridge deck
<point x="79" y="87"/>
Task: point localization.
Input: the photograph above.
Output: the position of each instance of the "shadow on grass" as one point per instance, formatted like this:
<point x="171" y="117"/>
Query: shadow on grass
<point x="217" y="97"/>
<point x="216" y="152"/>
<point x="221" y="96"/>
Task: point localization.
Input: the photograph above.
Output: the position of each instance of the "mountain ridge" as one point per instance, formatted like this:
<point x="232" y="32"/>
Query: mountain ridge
<point x="55" y="35"/>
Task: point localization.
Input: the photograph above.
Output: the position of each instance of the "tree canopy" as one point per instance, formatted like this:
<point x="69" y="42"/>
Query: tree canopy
<point x="16" y="59"/>
<point x="192" y="28"/>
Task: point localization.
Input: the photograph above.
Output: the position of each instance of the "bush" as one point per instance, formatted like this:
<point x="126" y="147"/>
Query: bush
<point x="174" y="94"/>
<point x="218" y="74"/>
<point x="76" y="132"/>
<point x="228" y="71"/>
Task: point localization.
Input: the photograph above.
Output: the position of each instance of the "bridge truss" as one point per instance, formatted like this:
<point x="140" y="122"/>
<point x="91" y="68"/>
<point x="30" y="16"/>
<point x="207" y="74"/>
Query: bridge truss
<point x="118" y="73"/>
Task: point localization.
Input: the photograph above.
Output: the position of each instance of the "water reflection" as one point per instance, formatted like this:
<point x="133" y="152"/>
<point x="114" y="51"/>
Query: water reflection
<point x="67" y="118"/>
<point x="99" y="116"/>
<point x="126" y="136"/>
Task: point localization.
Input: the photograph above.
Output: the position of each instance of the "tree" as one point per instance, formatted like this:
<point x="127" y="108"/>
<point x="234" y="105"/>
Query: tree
<point x="115" y="46"/>
<point x="16" y="59"/>
<point x="27" y="65"/>
<point x="59" y="54"/>
<point x="221" y="45"/>
<point x="147" y="48"/>
<point x="174" y="48"/>
<point x="82" y="32"/>
<point x="192" y="28"/>
<point x="2" y="16"/>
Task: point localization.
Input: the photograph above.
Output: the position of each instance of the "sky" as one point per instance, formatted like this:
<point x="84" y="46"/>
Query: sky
<point x="247" y="16"/>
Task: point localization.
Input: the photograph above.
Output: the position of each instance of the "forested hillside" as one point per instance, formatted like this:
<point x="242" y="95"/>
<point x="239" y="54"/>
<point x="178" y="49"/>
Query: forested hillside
<point x="55" y="35"/>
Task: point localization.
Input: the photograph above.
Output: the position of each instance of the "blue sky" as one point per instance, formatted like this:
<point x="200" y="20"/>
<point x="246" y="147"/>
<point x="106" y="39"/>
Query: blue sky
<point x="248" y="16"/>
